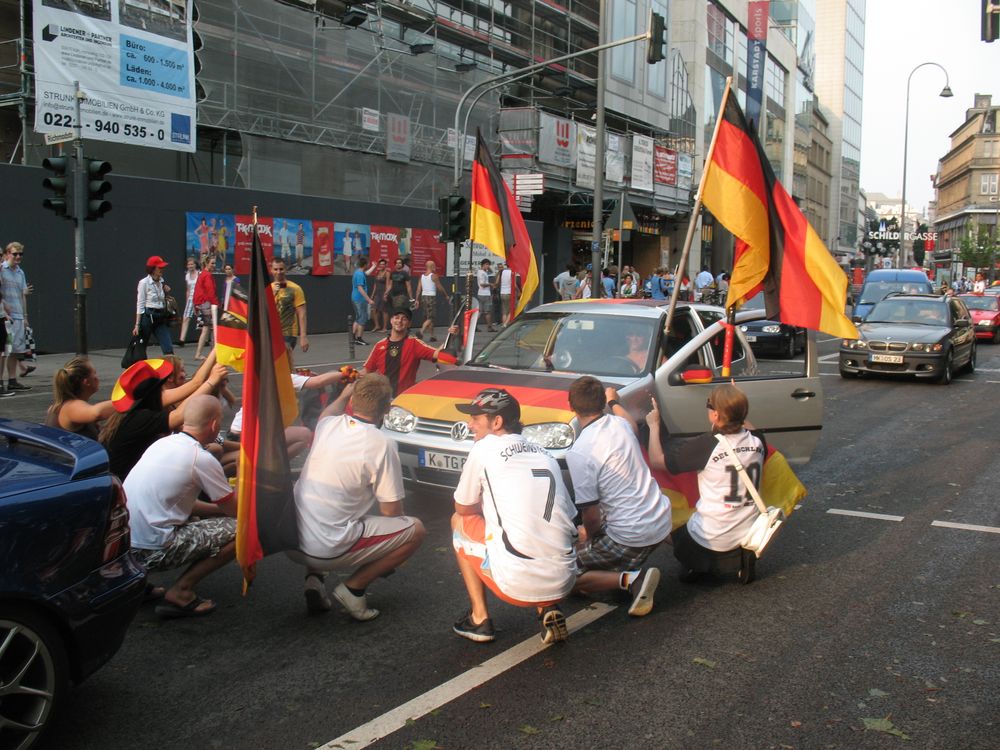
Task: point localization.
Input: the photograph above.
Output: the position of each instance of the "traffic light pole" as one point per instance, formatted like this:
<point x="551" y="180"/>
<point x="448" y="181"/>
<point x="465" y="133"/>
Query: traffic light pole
<point x="79" y="215"/>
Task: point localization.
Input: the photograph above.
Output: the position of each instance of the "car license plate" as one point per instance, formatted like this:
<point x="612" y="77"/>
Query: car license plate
<point x="890" y="359"/>
<point x="443" y="461"/>
<point x="751" y="339"/>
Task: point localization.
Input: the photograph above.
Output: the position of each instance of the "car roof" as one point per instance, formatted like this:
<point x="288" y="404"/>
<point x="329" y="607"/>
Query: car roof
<point x="896" y="274"/>
<point x="639" y="308"/>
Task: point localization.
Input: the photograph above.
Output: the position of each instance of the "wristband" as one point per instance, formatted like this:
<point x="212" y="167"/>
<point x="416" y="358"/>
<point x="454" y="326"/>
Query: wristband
<point x="613" y="403"/>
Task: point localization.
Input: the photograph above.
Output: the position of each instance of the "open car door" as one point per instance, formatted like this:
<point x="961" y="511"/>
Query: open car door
<point x="788" y="408"/>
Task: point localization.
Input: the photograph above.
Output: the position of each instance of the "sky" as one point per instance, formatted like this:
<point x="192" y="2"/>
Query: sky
<point x="899" y="35"/>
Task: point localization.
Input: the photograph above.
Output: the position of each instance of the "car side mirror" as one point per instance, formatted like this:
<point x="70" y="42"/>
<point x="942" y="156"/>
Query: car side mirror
<point x="691" y="376"/>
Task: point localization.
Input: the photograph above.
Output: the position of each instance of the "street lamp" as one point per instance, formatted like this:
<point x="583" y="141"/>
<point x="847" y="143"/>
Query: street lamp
<point x="945" y="93"/>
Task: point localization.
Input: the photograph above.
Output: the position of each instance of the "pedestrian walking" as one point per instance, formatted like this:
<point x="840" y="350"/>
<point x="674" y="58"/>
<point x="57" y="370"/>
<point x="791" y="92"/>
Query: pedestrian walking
<point x="151" y="305"/>
<point x="430" y="285"/>
<point x="205" y="297"/>
<point x="190" y="280"/>
<point x="14" y="289"/>
<point x="360" y="299"/>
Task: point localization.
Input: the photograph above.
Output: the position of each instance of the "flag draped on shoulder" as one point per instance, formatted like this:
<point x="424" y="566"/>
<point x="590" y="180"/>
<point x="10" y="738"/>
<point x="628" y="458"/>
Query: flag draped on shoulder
<point x="265" y="521"/>
<point x="496" y="223"/>
<point x="776" y="248"/>
<point x="231" y="332"/>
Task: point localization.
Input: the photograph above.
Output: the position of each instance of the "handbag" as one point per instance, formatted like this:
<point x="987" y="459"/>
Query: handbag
<point x="769" y="519"/>
<point x="170" y="309"/>
<point x="135" y="351"/>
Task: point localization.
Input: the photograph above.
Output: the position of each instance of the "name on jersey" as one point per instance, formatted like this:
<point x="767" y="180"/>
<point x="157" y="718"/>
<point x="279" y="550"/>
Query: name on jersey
<point x="514" y="448"/>
<point x="737" y="449"/>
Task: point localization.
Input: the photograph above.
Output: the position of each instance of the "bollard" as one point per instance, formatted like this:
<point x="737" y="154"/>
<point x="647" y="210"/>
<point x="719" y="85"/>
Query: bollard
<point x="350" y="338"/>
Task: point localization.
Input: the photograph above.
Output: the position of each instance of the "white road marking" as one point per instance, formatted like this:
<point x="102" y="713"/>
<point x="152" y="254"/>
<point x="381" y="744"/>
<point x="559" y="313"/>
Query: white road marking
<point x="823" y="341"/>
<point x="863" y="514"/>
<point x="966" y="526"/>
<point x="456" y="687"/>
<point x="830" y="357"/>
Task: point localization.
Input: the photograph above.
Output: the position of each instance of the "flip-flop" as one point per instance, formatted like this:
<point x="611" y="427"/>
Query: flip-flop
<point x="168" y="610"/>
<point x="153" y="593"/>
<point x="28" y="370"/>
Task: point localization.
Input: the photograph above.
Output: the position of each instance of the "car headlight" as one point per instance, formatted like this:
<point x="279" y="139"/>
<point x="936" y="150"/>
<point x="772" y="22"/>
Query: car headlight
<point x="855" y="344"/>
<point x="549" y="434"/>
<point x="926" y="347"/>
<point x="984" y="322"/>
<point x="771" y="329"/>
<point x="400" y="420"/>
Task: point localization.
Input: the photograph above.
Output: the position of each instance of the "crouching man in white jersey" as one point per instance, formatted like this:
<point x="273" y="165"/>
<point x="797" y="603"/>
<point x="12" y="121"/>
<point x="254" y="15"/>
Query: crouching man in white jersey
<point x="513" y="529"/>
<point x="624" y="513"/>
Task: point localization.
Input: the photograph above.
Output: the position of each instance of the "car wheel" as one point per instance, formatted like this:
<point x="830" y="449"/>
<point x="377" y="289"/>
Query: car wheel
<point x="34" y="673"/>
<point x="790" y="349"/>
<point x="970" y="366"/>
<point x="848" y="374"/>
<point x="945" y="377"/>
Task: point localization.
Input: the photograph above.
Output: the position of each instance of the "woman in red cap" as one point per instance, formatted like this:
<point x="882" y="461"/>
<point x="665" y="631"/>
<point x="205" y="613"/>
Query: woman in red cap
<point x="151" y="305"/>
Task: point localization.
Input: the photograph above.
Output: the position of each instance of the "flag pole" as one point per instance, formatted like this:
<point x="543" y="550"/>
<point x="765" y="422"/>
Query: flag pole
<point x="696" y="209"/>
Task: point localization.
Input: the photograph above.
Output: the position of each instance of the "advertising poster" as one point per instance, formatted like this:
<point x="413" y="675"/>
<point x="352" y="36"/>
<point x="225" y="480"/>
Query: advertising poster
<point x="757" y="11"/>
<point x="642" y="162"/>
<point x="586" y="156"/>
<point x="425" y="245"/>
<point x="210" y="235"/>
<point x="322" y="264"/>
<point x="135" y="64"/>
<point x="293" y="243"/>
<point x="664" y="165"/>
<point x="349" y="241"/>
<point x="685" y="170"/>
<point x="385" y="244"/>
<point x="244" y="241"/>
<point x="556" y="140"/>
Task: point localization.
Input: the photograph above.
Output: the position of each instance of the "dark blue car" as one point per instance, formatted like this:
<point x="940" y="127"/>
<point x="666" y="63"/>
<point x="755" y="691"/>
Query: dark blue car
<point x="69" y="586"/>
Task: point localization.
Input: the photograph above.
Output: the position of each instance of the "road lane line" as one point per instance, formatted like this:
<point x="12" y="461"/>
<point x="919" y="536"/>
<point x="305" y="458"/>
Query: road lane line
<point x="829" y="358"/>
<point x="966" y="526"/>
<point x="456" y="687"/>
<point x="863" y="514"/>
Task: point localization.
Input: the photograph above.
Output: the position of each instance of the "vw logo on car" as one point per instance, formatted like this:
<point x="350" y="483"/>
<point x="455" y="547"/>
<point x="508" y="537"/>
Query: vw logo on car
<point x="459" y="432"/>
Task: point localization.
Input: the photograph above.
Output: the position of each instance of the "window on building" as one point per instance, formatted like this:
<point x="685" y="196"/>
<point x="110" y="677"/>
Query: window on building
<point x="989" y="184"/>
<point x="656" y="75"/>
<point x="623" y="14"/>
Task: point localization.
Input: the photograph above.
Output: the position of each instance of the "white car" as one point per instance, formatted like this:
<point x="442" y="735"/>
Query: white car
<point x="622" y="343"/>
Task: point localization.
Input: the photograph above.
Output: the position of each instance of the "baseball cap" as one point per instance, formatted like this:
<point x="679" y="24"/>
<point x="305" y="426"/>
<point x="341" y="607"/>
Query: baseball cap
<point x="402" y="311"/>
<point x="493" y="401"/>
<point x="156" y="260"/>
<point x="138" y="381"/>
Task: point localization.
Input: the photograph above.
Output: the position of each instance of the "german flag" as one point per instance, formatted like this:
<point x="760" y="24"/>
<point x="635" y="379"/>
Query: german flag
<point x="231" y="332"/>
<point x="265" y="521"/>
<point x="496" y="223"/>
<point x="776" y="248"/>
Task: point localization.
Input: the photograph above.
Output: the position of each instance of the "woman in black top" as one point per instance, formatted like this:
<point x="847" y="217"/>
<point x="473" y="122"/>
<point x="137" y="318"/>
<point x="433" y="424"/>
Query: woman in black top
<point x="400" y="293"/>
<point x="72" y="386"/>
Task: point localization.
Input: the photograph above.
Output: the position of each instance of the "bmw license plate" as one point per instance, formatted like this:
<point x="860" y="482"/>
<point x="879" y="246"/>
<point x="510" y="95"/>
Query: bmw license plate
<point x="889" y="359"/>
<point x="443" y="461"/>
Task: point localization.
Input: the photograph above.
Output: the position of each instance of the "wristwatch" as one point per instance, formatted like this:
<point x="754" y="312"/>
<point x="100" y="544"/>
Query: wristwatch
<point x="613" y="403"/>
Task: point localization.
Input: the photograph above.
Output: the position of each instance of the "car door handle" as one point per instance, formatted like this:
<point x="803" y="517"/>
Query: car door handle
<point x="801" y="394"/>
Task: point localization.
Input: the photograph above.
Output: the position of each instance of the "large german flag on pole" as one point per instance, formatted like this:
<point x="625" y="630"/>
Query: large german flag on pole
<point x="265" y="521"/>
<point x="496" y="222"/>
<point x="776" y="248"/>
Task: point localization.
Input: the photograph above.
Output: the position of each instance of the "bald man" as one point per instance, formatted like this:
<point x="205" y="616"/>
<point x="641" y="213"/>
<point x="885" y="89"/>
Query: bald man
<point x="171" y="528"/>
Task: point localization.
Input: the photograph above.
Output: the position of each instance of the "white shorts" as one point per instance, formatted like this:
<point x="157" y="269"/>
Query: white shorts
<point x="381" y="535"/>
<point x="18" y="343"/>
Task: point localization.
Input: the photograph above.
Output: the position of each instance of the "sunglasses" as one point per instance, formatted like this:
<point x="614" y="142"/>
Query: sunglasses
<point x="708" y="405"/>
<point x="17" y="255"/>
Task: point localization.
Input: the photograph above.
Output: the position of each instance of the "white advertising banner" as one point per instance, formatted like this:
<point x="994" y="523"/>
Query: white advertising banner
<point x="614" y="160"/>
<point x="556" y="141"/>
<point x="135" y="65"/>
<point x="586" y="152"/>
<point x="642" y="162"/>
<point x="685" y="170"/>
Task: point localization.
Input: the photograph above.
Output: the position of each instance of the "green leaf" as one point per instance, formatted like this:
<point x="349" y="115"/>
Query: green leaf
<point x="876" y="693"/>
<point x="557" y="717"/>
<point x="486" y="705"/>
<point x="980" y="622"/>
<point x="961" y="614"/>
<point x="704" y="662"/>
<point x="528" y="729"/>
<point x="885" y="726"/>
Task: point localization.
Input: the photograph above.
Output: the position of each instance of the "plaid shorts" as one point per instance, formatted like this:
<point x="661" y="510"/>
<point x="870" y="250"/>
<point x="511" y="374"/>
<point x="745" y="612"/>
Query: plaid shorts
<point x="190" y="543"/>
<point x="604" y="553"/>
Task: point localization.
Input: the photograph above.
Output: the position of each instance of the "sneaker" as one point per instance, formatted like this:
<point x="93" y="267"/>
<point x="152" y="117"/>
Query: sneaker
<point x="28" y="370"/>
<point x="317" y="601"/>
<point x="356" y="606"/>
<point x="481" y="633"/>
<point x="4" y="392"/>
<point x="13" y="385"/>
<point x="360" y="341"/>
<point x="553" y="625"/>
<point x="642" y="590"/>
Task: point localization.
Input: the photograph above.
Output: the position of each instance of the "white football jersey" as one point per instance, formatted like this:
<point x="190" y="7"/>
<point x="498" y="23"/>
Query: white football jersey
<point x="530" y="534"/>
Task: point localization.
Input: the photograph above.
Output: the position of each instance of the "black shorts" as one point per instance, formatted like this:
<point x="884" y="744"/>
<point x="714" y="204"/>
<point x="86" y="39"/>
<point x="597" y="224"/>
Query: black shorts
<point x="692" y="556"/>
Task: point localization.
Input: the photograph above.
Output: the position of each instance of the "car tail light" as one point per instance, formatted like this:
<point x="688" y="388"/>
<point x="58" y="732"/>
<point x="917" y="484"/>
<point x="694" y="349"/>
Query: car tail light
<point x="117" y="538"/>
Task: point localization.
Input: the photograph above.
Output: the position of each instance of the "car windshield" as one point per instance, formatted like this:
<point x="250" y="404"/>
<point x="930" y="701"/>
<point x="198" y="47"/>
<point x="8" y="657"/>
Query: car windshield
<point x="612" y="345"/>
<point x="876" y="291"/>
<point x="754" y="303"/>
<point x="975" y="302"/>
<point x="910" y="311"/>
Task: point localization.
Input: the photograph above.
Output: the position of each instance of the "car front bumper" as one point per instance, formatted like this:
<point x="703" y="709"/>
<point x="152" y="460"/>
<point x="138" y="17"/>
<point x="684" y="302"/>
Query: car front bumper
<point x="917" y="365"/>
<point x="768" y="343"/>
<point x="985" y="332"/>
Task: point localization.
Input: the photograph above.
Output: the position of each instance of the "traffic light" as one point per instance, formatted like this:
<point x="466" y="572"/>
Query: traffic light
<point x="97" y="187"/>
<point x="991" y="20"/>
<point x="57" y="183"/>
<point x="454" y="219"/>
<point x="657" y="42"/>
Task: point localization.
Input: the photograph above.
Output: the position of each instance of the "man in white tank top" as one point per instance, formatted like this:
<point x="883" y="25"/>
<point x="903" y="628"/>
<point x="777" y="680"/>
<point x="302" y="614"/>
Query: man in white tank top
<point x="430" y="284"/>
<point x="507" y="288"/>
<point x="513" y="529"/>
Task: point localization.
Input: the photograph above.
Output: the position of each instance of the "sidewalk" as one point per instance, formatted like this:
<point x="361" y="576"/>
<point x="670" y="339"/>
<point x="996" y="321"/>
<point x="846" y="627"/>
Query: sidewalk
<point x="327" y="351"/>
